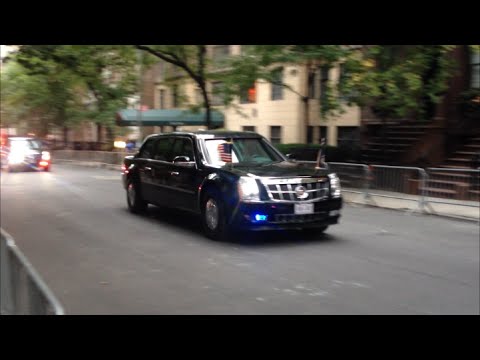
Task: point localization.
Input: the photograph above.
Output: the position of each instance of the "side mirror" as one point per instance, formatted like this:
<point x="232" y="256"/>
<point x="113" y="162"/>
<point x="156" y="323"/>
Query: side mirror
<point x="291" y="157"/>
<point x="183" y="161"/>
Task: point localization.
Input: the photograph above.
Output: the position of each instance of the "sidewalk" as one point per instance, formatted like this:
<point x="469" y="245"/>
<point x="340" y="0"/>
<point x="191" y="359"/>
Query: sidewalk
<point x="467" y="210"/>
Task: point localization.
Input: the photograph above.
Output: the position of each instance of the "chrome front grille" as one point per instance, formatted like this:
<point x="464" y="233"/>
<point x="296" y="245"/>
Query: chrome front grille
<point x="295" y="190"/>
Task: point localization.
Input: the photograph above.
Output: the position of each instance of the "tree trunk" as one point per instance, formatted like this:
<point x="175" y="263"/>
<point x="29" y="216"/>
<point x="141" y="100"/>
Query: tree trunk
<point x="386" y="160"/>
<point x="99" y="133"/>
<point x="306" y="106"/>
<point x="65" y="136"/>
<point x="110" y="139"/>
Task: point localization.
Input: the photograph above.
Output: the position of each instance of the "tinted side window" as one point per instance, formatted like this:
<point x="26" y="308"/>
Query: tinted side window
<point x="163" y="148"/>
<point x="183" y="147"/>
<point x="147" y="150"/>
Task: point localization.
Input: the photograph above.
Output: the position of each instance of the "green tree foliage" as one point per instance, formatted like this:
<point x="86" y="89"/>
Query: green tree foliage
<point x="106" y="73"/>
<point x="398" y="81"/>
<point x="41" y="99"/>
<point x="192" y="61"/>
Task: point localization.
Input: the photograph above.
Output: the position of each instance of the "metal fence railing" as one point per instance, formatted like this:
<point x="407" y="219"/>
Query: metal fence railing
<point x="432" y="185"/>
<point x="22" y="291"/>
<point x="105" y="157"/>
<point x="453" y="185"/>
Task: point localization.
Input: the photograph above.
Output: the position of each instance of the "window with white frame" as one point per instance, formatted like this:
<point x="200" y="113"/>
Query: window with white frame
<point x="220" y="53"/>
<point x="162" y="99"/>
<point x="249" y="128"/>
<point x="277" y="85"/>
<point x="276" y="134"/>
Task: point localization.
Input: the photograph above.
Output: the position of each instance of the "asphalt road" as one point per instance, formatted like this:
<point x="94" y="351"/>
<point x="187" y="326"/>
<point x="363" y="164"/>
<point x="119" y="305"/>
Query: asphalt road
<point x="98" y="258"/>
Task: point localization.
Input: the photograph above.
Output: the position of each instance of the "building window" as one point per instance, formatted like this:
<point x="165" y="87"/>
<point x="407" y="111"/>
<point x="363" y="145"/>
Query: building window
<point x="220" y="53"/>
<point x="198" y="96"/>
<point x="277" y="85"/>
<point x="324" y="73"/>
<point x="348" y="136"/>
<point x="310" y="135"/>
<point x="322" y="134"/>
<point x="161" y="99"/>
<point x="276" y="134"/>
<point x="217" y="96"/>
<point x="175" y="97"/>
<point x="311" y="85"/>
<point x="475" y="69"/>
<point x="249" y="96"/>
<point x="249" y="128"/>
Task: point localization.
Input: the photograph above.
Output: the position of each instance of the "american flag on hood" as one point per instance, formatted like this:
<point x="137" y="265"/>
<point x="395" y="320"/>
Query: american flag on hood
<point x="225" y="151"/>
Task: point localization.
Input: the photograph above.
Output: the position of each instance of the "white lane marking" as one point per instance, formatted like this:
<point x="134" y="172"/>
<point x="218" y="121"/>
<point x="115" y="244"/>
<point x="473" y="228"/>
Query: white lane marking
<point x="319" y="293"/>
<point x="260" y="299"/>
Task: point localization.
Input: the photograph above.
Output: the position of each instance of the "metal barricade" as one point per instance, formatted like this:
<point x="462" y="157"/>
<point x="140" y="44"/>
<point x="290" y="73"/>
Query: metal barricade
<point x="22" y="291"/>
<point x="353" y="177"/>
<point x="103" y="157"/>
<point x="455" y="186"/>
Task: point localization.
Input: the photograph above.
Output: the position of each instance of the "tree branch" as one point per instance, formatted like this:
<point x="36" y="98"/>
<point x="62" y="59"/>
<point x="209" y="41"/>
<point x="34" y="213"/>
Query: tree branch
<point x="172" y="59"/>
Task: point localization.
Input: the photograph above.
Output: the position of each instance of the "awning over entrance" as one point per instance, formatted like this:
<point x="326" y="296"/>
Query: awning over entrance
<point x="169" y="117"/>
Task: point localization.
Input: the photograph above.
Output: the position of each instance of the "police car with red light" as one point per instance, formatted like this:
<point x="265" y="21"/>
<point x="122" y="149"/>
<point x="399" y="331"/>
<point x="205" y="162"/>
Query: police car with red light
<point x="25" y="153"/>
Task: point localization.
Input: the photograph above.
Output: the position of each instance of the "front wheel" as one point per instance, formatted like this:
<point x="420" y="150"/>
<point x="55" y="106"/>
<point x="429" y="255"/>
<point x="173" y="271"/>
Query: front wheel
<point x="315" y="231"/>
<point x="213" y="218"/>
<point x="136" y="204"/>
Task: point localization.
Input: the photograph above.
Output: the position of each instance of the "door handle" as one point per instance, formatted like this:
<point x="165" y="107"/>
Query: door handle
<point x="147" y="168"/>
<point x="174" y="173"/>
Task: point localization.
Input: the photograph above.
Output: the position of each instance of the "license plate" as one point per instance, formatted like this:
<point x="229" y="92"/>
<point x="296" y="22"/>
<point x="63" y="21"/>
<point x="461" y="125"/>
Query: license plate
<point x="303" y="209"/>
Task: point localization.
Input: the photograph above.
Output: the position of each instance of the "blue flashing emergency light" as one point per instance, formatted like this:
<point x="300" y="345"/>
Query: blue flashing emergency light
<point x="260" y="217"/>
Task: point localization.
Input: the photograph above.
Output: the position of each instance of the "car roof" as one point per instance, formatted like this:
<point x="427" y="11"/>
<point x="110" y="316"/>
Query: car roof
<point x="221" y="134"/>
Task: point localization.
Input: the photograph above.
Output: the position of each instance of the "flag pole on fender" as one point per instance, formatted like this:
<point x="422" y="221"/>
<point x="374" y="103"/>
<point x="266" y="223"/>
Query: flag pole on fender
<point x="321" y="155"/>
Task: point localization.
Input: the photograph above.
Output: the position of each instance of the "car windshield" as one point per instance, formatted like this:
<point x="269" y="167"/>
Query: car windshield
<point x="26" y="144"/>
<point x="245" y="151"/>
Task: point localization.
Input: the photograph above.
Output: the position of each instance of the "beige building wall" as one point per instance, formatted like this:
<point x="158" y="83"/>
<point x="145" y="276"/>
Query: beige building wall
<point x="289" y="112"/>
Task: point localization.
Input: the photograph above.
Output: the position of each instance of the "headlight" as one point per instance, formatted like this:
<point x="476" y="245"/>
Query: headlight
<point x="248" y="189"/>
<point x="335" y="185"/>
<point x="45" y="155"/>
<point x="16" y="157"/>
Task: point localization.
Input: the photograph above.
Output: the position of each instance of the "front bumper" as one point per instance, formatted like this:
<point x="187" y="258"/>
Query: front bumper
<point x="280" y="215"/>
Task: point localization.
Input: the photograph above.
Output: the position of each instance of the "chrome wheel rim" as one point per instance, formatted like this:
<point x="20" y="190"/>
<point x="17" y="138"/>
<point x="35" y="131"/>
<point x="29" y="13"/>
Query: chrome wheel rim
<point x="131" y="194"/>
<point x="211" y="214"/>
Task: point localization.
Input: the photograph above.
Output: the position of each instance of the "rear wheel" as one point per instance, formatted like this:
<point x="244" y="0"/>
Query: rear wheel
<point x="136" y="204"/>
<point x="213" y="217"/>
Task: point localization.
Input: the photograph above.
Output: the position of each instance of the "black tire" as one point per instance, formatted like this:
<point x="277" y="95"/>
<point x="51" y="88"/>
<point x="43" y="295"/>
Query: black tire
<point x="315" y="231"/>
<point x="136" y="204"/>
<point x="221" y="231"/>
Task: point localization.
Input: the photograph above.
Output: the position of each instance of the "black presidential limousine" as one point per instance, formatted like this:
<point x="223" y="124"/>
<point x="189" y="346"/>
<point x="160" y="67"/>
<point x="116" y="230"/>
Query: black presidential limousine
<point x="233" y="180"/>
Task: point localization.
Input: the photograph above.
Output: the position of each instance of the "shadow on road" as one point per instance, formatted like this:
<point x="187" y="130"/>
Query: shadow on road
<point x="191" y="224"/>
